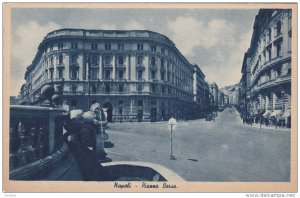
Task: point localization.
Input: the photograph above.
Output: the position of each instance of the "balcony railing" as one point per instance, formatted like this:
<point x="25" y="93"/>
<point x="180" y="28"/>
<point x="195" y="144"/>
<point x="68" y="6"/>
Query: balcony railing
<point x="35" y="134"/>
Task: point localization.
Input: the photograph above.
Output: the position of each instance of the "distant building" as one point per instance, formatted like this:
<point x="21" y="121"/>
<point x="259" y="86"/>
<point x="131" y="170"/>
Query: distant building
<point x="214" y="90"/>
<point x="268" y="65"/>
<point x="135" y="75"/>
<point x="200" y="89"/>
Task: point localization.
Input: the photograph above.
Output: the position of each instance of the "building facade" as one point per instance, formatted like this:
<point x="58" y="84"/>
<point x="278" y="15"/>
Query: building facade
<point x="135" y="75"/>
<point x="270" y="64"/>
<point x="214" y="90"/>
<point x="200" y="89"/>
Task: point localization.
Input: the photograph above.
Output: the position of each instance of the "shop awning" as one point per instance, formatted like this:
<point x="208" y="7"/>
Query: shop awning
<point x="277" y="113"/>
<point x="267" y="113"/>
<point x="287" y="113"/>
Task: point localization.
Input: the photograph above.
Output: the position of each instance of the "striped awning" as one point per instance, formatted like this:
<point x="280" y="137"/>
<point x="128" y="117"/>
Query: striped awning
<point x="287" y="113"/>
<point x="267" y="113"/>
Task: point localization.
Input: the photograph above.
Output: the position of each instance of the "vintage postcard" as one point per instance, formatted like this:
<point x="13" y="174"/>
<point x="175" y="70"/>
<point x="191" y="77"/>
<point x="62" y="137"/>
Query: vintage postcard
<point x="150" y="97"/>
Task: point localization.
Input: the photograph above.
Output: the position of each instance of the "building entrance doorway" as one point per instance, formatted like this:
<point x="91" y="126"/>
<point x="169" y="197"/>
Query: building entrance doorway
<point x="140" y="115"/>
<point x="153" y="114"/>
<point x="109" y="111"/>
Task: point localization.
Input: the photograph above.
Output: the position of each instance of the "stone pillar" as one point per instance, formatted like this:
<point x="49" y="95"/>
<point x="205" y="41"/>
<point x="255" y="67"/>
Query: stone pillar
<point x="100" y="67"/>
<point x="127" y="63"/>
<point x="114" y="67"/>
<point x="51" y="134"/>
<point x="80" y="63"/>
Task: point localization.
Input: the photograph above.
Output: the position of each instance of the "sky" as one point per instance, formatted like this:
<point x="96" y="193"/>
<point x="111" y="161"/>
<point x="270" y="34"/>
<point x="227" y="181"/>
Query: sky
<point x="215" y="39"/>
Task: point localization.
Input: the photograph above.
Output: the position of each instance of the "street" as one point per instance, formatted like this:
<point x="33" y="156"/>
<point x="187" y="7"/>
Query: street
<point x="224" y="150"/>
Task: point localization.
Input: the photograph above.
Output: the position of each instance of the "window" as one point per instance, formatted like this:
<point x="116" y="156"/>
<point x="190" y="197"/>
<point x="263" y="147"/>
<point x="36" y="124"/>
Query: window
<point x="162" y="74"/>
<point x="107" y="88"/>
<point x="73" y="90"/>
<point x="278" y="51"/>
<point x="94" y="46"/>
<point x="140" y="89"/>
<point x="120" y="102"/>
<point x="60" y="59"/>
<point x="107" y="60"/>
<point x="140" y="47"/>
<point x="94" y="74"/>
<point x="121" y="74"/>
<point x="162" y="89"/>
<point x="73" y="74"/>
<point x="140" y="60"/>
<point x="120" y="111"/>
<point x="269" y="54"/>
<point x="107" y="46"/>
<point x="121" y="60"/>
<point x="51" y="74"/>
<point x="51" y="48"/>
<point x="162" y="63"/>
<point x="60" y="46"/>
<point x="140" y="74"/>
<point x="73" y="59"/>
<point x="152" y="61"/>
<point x="51" y="61"/>
<point x="153" y="74"/>
<point x="269" y="35"/>
<point x="74" y="45"/>
<point x="121" y="47"/>
<point x="278" y="28"/>
<point x="121" y="88"/>
<point x="153" y="87"/>
<point x="107" y="74"/>
<point x="140" y="102"/>
<point x="94" y="60"/>
<point x="60" y="73"/>
<point x="94" y="88"/>
<point x="153" y="48"/>
<point x="162" y="50"/>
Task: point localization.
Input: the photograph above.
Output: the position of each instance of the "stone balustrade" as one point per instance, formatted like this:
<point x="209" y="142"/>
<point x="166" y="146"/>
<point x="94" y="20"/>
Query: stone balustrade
<point x="35" y="140"/>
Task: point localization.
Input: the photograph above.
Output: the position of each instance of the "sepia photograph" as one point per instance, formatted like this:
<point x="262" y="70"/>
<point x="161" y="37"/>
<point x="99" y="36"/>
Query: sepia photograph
<point x="150" y="97"/>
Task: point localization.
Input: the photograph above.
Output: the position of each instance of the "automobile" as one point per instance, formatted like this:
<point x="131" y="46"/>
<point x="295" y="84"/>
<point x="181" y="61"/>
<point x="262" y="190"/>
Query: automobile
<point x="210" y="117"/>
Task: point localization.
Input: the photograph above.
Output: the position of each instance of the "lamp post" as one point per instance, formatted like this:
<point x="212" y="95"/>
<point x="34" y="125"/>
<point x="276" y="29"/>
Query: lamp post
<point x="171" y="126"/>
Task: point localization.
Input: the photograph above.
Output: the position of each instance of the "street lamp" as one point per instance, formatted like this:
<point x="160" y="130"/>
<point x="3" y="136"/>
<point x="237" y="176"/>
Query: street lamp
<point x="172" y="126"/>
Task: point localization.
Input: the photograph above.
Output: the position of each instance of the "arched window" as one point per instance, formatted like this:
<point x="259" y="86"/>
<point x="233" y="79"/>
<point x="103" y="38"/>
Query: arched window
<point x="60" y="59"/>
<point x="121" y="60"/>
<point x="152" y="61"/>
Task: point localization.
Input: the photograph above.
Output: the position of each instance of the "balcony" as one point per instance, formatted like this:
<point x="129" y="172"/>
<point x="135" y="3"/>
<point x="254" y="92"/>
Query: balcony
<point x="60" y="65"/>
<point x="140" y="66"/>
<point x="120" y="66"/>
<point x="272" y="82"/>
<point x="153" y="67"/>
<point x="107" y="66"/>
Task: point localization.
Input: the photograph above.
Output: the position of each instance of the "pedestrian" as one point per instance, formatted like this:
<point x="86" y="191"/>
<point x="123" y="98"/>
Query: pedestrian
<point x="81" y="140"/>
<point x="260" y="121"/>
<point x="97" y="118"/>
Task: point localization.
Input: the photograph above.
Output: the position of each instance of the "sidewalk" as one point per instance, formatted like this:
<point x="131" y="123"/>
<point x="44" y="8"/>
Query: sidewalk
<point x="268" y="127"/>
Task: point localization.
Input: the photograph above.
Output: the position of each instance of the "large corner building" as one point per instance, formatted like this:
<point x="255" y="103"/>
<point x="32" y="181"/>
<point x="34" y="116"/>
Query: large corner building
<point x="135" y="75"/>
